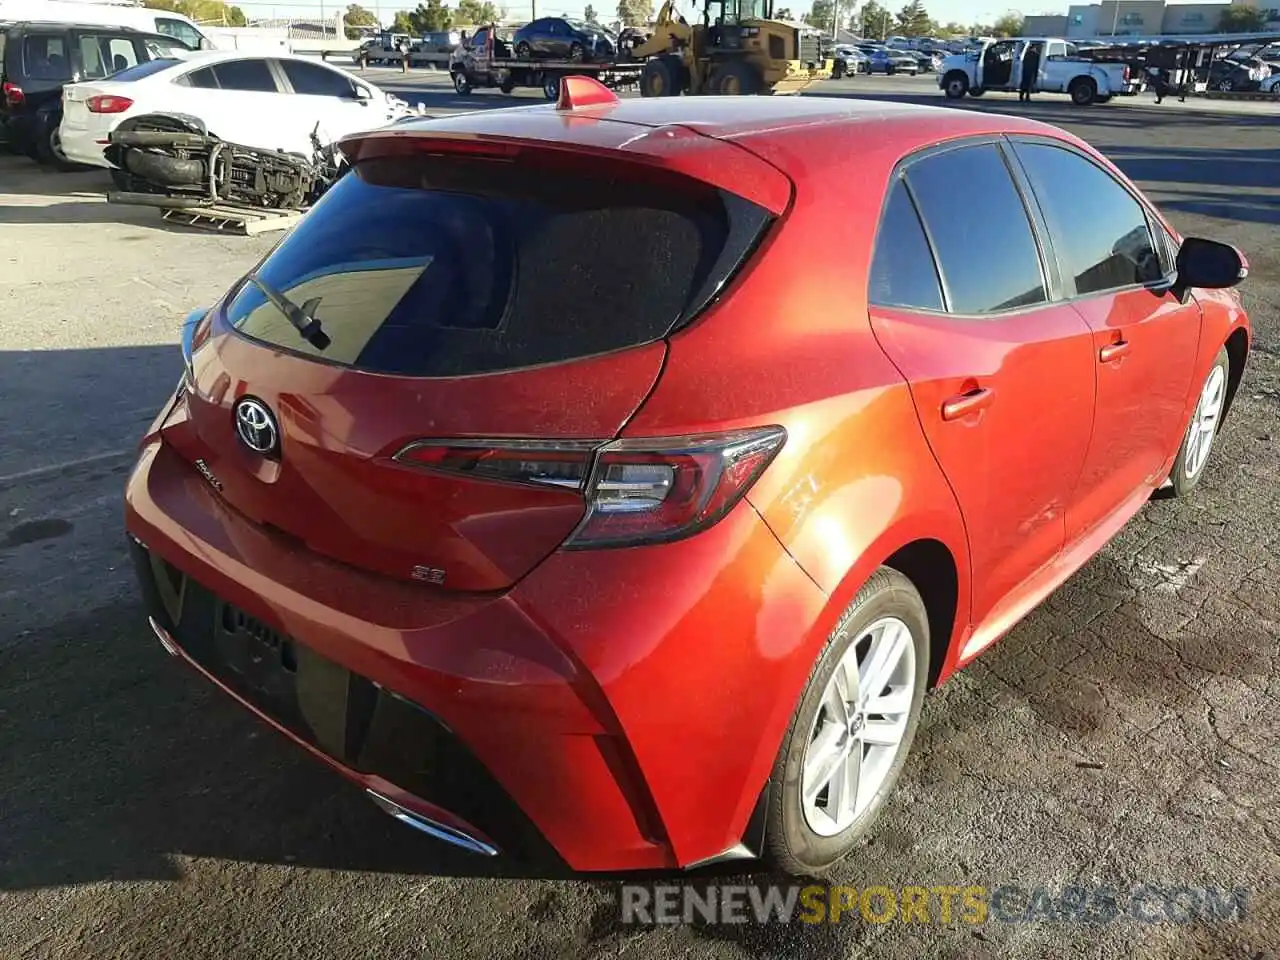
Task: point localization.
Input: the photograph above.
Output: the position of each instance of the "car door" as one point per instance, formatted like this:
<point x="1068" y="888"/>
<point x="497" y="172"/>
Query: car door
<point x="1001" y="373"/>
<point x="324" y="96"/>
<point x="241" y="101"/>
<point x="1145" y="340"/>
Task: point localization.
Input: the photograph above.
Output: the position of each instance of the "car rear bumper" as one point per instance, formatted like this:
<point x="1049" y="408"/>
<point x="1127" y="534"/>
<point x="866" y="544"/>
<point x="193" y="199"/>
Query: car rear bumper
<point x="82" y="146"/>
<point x="601" y="715"/>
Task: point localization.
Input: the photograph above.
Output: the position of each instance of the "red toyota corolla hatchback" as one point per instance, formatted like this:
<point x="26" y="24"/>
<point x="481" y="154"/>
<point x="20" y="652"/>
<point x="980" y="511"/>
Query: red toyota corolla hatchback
<point x="608" y="481"/>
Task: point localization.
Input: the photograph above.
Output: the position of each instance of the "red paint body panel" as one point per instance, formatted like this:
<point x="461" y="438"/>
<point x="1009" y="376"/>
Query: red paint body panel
<point x="1013" y="465"/>
<point x="632" y="700"/>
<point x="1141" y="397"/>
<point x="339" y="491"/>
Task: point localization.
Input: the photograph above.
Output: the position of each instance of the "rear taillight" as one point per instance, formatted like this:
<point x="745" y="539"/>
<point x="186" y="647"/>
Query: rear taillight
<point x="658" y="490"/>
<point x="13" y="95"/>
<point x="564" y="464"/>
<point x="108" y="103"/>
<point x="645" y="490"/>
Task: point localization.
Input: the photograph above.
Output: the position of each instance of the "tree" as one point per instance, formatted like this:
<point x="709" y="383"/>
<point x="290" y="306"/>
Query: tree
<point x="784" y="14"/>
<point x="358" y="16"/>
<point x="1010" y="25"/>
<point x="953" y="29"/>
<point x="635" y="13"/>
<point x="1238" y="18"/>
<point x="430" y="17"/>
<point x="590" y="15"/>
<point x="475" y="12"/>
<point x="875" y="20"/>
<point x="821" y="15"/>
<point x="913" y="20"/>
<point x="202" y="11"/>
<point x="402" y="23"/>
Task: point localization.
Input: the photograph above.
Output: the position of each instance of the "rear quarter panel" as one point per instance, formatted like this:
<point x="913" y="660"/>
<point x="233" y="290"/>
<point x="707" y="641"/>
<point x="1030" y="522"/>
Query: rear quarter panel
<point x="792" y="344"/>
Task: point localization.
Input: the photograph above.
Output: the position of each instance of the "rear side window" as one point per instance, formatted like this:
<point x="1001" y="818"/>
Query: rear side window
<point x="44" y="57"/>
<point x="1100" y="232"/>
<point x="902" y="271"/>
<point x="987" y="253"/>
<point x="440" y="267"/>
<point x="251" y="75"/>
<point x="204" y="79"/>
<point x="311" y="80"/>
<point x="144" y="69"/>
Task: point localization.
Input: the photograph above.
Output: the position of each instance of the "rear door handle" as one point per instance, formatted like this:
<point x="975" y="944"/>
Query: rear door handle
<point x="967" y="403"/>
<point x="1113" y="351"/>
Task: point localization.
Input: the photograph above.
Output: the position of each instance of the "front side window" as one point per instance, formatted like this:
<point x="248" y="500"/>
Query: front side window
<point x="981" y="234"/>
<point x="1099" y="229"/>
<point x="180" y="30"/>
<point x="316" y="81"/>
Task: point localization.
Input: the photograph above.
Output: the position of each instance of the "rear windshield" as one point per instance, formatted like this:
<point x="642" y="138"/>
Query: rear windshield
<point x="144" y="69"/>
<point x="444" y="267"/>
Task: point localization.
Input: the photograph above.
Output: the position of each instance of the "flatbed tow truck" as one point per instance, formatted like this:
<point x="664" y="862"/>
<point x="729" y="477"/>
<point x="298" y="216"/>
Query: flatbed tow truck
<point x="486" y="60"/>
<point x="737" y="49"/>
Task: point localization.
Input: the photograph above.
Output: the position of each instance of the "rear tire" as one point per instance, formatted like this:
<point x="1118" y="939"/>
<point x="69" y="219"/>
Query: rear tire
<point x="1202" y="431"/>
<point x="735" y="78"/>
<point x="976" y="91"/>
<point x="1084" y="91"/>
<point x="551" y="87"/>
<point x="48" y="143"/>
<point x="808" y="828"/>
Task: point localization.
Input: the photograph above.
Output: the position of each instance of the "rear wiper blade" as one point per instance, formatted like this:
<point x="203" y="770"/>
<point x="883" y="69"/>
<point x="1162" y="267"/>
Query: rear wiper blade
<point x="302" y="318"/>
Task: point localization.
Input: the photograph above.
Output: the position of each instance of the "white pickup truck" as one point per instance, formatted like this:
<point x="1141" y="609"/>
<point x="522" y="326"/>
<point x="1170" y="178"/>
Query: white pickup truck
<point x="997" y="65"/>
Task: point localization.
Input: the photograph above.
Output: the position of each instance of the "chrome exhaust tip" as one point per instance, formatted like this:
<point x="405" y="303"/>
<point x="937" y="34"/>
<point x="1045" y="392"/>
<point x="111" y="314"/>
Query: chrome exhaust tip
<point x="162" y="634"/>
<point x="431" y="827"/>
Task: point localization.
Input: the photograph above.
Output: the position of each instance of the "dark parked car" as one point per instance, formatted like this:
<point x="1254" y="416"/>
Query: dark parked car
<point x="1228" y="75"/>
<point x="558" y="38"/>
<point x="37" y="59"/>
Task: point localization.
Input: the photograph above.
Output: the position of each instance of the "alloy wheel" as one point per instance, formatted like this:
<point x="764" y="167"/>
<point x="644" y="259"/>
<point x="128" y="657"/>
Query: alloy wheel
<point x="859" y="727"/>
<point x="1204" y="422"/>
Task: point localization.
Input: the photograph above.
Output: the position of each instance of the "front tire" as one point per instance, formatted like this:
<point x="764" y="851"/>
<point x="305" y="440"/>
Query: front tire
<point x="660" y="78"/>
<point x="851" y="733"/>
<point x="955" y="85"/>
<point x="1197" y="442"/>
<point x="462" y="84"/>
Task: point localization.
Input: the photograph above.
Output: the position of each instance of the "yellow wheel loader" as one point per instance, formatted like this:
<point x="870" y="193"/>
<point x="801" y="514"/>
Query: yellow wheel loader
<point x="737" y="49"/>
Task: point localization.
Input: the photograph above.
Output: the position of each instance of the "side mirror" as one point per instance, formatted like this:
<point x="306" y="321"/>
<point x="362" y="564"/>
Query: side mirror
<point x="1207" y="264"/>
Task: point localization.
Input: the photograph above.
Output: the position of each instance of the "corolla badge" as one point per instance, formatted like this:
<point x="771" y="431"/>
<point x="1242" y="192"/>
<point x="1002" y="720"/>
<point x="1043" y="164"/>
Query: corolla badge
<point x="256" y="426"/>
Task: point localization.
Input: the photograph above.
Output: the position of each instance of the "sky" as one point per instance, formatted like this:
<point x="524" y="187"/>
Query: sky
<point x="942" y="11"/>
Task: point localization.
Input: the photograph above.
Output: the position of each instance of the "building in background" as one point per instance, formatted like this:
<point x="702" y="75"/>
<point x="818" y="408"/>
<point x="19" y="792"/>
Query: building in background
<point x="1132" y="18"/>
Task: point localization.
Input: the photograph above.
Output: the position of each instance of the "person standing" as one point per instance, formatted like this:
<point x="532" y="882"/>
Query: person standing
<point x="1030" y="69"/>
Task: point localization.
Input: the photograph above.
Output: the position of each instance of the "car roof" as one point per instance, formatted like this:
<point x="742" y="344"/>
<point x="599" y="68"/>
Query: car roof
<point x="797" y="136"/>
<point x="221" y="56"/>
<point x="53" y="25"/>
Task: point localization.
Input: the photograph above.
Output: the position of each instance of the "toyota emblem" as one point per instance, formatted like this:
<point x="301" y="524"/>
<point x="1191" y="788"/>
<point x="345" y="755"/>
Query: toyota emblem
<point x="256" y="427"/>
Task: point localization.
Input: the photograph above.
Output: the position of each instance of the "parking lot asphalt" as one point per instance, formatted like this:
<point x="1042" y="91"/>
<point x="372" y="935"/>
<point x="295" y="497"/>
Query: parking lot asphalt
<point x="1124" y="734"/>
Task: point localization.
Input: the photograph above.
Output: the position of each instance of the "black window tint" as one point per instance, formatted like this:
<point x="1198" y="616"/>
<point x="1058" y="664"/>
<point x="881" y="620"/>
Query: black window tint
<point x="253" y="75"/>
<point x="446" y="268"/>
<point x="1099" y="230"/>
<point x="44" y="57"/>
<point x="902" y="270"/>
<point x="146" y="69"/>
<point x="203" y="79"/>
<point x="311" y="80"/>
<point x="981" y="235"/>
